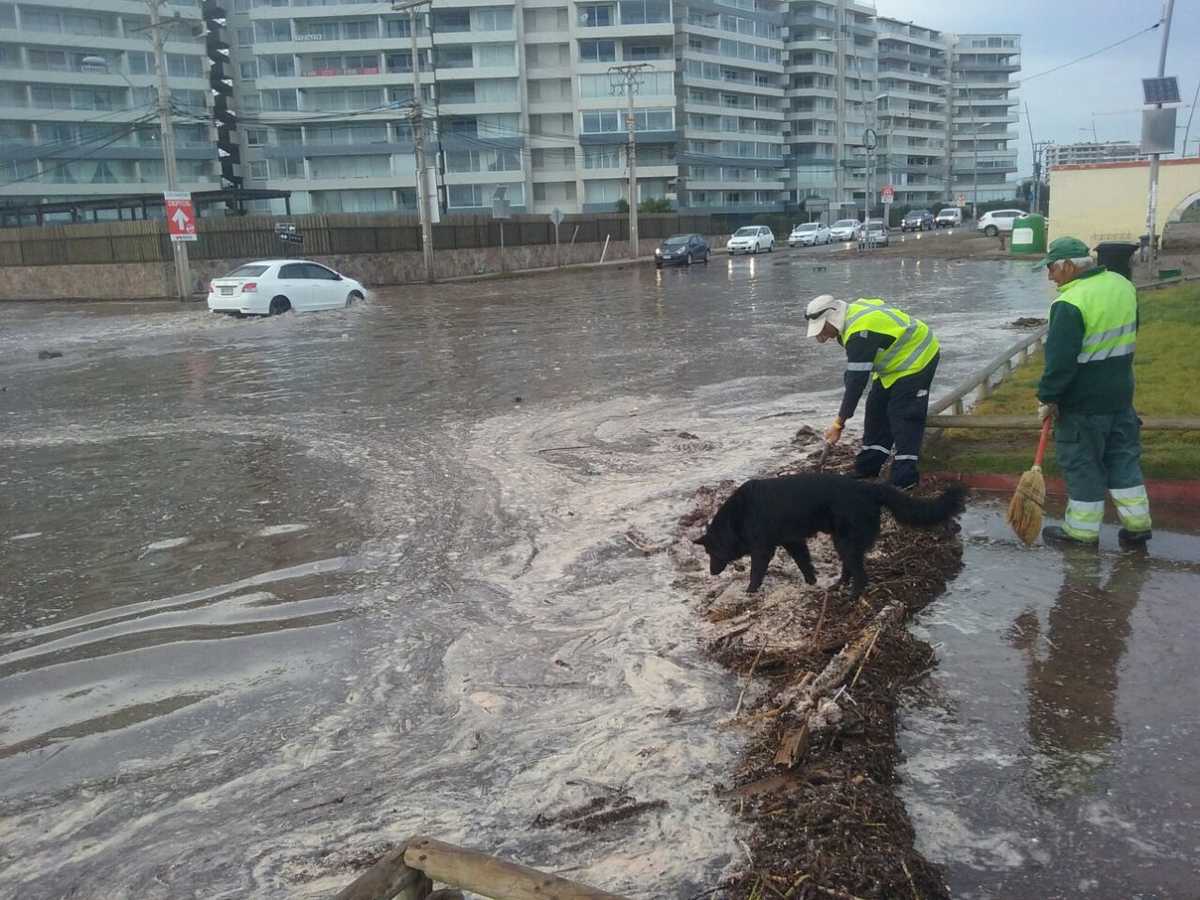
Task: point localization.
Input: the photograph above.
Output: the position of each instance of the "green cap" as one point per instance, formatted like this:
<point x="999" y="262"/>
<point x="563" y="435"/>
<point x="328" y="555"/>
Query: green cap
<point x="1063" y="248"/>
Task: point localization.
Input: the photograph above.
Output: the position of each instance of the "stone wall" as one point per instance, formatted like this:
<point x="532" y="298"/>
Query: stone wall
<point x="149" y="281"/>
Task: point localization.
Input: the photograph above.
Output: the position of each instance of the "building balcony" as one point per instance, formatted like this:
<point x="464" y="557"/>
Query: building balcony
<point x="745" y="86"/>
<point x="906" y="55"/>
<point x="753" y="65"/>
<point x="717" y="109"/>
<point x="721" y="34"/>
<point x="1009" y="67"/>
<point x="616" y="31"/>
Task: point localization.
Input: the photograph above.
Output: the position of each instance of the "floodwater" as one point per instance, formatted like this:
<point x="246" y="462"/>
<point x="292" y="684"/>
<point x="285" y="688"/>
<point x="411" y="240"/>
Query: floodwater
<point x="1053" y="753"/>
<point x="276" y="592"/>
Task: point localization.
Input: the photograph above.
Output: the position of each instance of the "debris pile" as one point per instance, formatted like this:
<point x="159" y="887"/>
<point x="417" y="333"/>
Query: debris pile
<point x="821" y="684"/>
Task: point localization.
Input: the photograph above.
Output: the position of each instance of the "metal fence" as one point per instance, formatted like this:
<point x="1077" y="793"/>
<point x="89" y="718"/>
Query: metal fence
<point x="332" y="234"/>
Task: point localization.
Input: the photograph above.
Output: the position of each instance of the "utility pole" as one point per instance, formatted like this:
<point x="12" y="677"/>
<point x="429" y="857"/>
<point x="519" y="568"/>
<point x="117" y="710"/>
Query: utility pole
<point x="417" y="117"/>
<point x="183" y="277"/>
<point x="627" y="79"/>
<point x="1168" y="11"/>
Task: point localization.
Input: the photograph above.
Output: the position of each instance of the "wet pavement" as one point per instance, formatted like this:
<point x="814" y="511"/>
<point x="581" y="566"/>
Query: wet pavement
<point x="1052" y="753"/>
<point x="278" y="591"/>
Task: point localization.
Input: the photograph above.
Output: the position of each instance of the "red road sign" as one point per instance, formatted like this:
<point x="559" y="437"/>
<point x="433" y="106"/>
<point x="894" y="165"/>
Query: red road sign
<point x="181" y="217"/>
<point x="887" y="193"/>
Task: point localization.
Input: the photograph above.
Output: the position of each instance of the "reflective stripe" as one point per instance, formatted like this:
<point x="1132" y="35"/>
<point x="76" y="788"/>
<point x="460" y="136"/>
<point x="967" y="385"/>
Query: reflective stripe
<point x="1082" y="520"/>
<point x="1094" y="339"/>
<point x="913" y="457"/>
<point x="1109" y="353"/>
<point x="883" y="450"/>
<point x="884" y="359"/>
<point x="877" y="306"/>
<point x="912" y="357"/>
<point x="1133" y="507"/>
<point x="859" y="367"/>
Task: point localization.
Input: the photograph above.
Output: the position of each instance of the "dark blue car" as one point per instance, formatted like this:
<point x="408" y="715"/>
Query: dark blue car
<point x="681" y="250"/>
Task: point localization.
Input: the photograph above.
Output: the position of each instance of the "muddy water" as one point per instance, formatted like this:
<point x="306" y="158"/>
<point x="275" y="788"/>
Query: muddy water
<point x="278" y="591"/>
<point x="1053" y="753"/>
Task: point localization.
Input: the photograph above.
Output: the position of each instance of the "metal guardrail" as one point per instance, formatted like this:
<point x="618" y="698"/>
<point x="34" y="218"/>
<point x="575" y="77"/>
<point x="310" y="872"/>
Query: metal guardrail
<point x="984" y="381"/>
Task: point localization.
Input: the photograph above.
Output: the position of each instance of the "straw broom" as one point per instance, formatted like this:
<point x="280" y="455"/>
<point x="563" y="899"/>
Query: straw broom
<point x="1029" y="500"/>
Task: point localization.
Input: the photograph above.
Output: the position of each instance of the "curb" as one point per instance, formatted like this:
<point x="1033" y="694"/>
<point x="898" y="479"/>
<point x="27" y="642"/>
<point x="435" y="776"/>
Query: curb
<point x="1170" y="492"/>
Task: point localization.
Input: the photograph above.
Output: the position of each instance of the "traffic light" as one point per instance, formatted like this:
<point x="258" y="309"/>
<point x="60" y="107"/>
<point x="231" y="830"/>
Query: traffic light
<point x="220" y="83"/>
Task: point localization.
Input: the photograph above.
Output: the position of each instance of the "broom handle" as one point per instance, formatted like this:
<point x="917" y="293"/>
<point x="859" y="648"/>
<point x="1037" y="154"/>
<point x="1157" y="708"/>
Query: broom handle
<point x="1041" y="450"/>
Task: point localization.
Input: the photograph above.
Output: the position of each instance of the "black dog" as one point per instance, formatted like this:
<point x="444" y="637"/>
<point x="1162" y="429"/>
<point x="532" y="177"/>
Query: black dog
<point x="767" y="513"/>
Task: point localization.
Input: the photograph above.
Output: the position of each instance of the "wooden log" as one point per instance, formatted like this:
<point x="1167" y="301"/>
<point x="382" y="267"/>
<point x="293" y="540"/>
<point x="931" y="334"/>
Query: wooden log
<point x="389" y="879"/>
<point x="491" y="877"/>
<point x="804" y="699"/>
<point x="1030" y="423"/>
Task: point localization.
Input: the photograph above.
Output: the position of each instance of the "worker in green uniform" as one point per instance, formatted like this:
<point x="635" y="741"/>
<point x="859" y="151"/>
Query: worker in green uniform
<point x="1087" y="388"/>
<point x="897" y="354"/>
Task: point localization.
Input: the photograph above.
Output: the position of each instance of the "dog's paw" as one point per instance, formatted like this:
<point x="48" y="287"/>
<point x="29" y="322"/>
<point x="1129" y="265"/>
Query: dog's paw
<point x="809" y="578"/>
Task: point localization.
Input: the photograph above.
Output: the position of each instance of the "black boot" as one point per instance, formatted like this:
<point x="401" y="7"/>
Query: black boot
<point x="1133" y="540"/>
<point x="1055" y="536"/>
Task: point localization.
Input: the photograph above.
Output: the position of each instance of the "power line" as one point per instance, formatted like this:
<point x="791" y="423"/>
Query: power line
<point x="1087" y="56"/>
<point x="67" y="162"/>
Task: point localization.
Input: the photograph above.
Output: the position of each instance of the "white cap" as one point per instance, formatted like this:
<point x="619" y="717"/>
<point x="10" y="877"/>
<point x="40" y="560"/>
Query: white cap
<point x="825" y="309"/>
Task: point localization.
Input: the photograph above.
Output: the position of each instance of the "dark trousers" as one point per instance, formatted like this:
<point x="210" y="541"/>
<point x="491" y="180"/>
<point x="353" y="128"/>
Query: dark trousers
<point x="895" y="417"/>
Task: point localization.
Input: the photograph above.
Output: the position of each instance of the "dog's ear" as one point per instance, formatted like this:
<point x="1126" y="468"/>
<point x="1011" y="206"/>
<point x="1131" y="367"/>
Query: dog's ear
<point x="702" y="540"/>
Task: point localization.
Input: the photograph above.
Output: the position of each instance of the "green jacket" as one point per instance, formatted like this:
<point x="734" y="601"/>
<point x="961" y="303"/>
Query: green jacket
<point x="1096" y="310"/>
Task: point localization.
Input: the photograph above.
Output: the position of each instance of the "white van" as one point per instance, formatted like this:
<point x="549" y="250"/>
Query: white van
<point x="950" y="217"/>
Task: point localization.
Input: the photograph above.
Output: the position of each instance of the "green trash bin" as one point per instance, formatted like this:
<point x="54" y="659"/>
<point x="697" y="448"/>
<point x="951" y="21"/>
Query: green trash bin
<point x="1028" y="235"/>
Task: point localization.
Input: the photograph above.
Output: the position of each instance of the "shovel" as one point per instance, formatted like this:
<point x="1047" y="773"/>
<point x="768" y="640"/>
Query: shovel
<point x="824" y="456"/>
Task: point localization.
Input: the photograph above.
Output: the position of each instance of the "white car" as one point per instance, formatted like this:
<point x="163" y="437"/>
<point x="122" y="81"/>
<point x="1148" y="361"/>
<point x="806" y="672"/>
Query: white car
<point x="269" y="287"/>
<point x="810" y="234"/>
<point x="998" y="220"/>
<point x="875" y="233"/>
<point x="950" y="217"/>
<point x="845" y="230"/>
<point x="751" y="239"/>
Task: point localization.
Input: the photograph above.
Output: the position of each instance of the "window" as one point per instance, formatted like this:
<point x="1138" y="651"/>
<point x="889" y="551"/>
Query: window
<point x="281" y="66"/>
<point x="644" y="51"/>
<point x="641" y="12"/>
<point x="454" y="57"/>
<point x="256" y="137"/>
<point x="451" y="20"/>
<point x="313" y="31"/>
<point x="258" y="170"/>
<point x="464" y="195"/>
<point x="601" y="122"/>
<point x="293" y="271"/>
<point x="274" y="101"/>
<point x="245" y="37"/>
<point x="272" y="30"/>
<point x="358" y="31"/>
<point x="183" y="66"/>
<point x="495" y="19"/>
<point x="319" y="273"/>
<point x="602" y="157"/>
<point x="397" y="27"/>
<point x="249" y="70"/>
<point x="251" y="103"/>
<point x="496" y="55"/>
<point x="596" y="16"/>
<point x="399" y="62"/>
<point x="597" y="51"/>
<point x="287" y="168"/>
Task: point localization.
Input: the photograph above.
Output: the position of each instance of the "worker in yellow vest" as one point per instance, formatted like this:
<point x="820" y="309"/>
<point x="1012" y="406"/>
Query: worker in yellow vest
<point x="897" y="355"/>
<point x="1087" y="388"/>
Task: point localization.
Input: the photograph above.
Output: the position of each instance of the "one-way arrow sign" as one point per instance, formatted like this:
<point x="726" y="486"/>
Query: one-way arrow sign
<point x="181" y="217"/>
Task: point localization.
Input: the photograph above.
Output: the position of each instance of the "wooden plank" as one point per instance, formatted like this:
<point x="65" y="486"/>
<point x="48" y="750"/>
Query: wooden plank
<point x="1030" y="423"/>
<point x="389" y="879"/>
<point x="492" y="877"/>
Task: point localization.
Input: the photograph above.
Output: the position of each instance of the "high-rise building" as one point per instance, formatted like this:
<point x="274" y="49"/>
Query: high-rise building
<point x="1092" y="152"/>
<point x="739" y="105"/>
<point x="78" y="100"/>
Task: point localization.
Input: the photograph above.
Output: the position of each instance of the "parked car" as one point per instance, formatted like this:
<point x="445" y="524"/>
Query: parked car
<point x="950" y="217"/>
<point x="810" y="234"/>
<point x="917" y="220"/>
<point x="682" y="250"/>
<point x="751" y="239"/>
<point x="269" y="287"/>
<point x="875" y="232"/>
<point x="998" y="220"/>
<point x="845" y="230"/>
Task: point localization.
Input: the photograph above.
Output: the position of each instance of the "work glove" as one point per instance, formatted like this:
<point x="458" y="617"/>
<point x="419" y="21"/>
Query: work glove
<point x="1047" y="411"/>
<point x="833" y="433"/>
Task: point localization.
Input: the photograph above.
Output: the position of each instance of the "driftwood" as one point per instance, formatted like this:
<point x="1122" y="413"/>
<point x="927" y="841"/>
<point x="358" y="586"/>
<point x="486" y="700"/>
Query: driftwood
<point x="804" y="699"/>
<point x="387" y="879"/>
<point x="491" y="877"/>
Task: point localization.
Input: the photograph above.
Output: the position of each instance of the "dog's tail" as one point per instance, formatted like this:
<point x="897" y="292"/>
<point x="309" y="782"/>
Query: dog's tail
<point x="910" y="510"/>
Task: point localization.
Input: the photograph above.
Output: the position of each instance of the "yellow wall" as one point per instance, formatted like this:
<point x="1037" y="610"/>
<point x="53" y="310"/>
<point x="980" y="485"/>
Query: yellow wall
<point x="1108" y="202"/>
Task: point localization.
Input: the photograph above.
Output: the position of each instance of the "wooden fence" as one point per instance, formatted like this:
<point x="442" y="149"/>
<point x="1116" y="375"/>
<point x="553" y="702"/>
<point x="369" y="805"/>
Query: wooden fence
<point x="331" y="234"/>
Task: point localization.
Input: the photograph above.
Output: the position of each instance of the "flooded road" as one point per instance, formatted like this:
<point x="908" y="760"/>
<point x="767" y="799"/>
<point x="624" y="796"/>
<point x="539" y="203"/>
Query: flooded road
<point x="1052" y="753"/>
<point x="279" y="591"/>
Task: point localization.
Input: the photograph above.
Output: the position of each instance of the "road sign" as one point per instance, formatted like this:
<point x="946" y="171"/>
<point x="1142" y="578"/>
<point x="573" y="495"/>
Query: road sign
<point x="181" y="217"/>
<point x="556" y="217"/>
<point x="290" y="237"/>
<point x="887" y="193"/>
<point x="282" y="228"/>
<point x="961" y="199"/>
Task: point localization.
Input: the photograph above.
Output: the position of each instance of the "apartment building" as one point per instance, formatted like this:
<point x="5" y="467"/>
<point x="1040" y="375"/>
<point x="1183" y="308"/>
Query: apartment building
<point x="77" y="100"/>
<point x="938" y="108"/>
<point x="1091" y="153"/>
<point x="739" y="105"/>
<point x="983" y="127"/>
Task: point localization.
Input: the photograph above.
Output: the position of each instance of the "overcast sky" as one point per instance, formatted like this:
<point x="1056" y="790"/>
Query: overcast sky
<point x="1106" y="89"/>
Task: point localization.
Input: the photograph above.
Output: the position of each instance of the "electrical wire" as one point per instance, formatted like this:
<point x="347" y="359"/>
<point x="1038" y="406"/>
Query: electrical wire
<point x="39" y="175"/>
<point x="1086" y="56"/>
